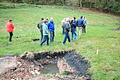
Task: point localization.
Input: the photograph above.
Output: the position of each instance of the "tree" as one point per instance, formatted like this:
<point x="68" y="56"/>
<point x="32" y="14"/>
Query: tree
<point x="80" y="3"/>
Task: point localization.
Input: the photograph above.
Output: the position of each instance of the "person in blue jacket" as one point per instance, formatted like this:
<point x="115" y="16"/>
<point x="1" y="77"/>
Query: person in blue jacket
<point x="45" y="33"/>
<point x="73" y="28"/>
<point x="80" y="24"/>
<point x="51" y="28"/>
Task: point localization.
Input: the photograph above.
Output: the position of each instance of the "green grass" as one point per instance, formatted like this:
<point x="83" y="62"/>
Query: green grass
<point x="104" y="66"/>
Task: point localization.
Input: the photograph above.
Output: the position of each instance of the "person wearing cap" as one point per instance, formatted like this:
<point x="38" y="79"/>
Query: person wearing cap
<point x="10" y="29"/>
<point x="40" y="27"/>
<point x="67" y="30"/>
<point x="51" y="28"/>
<point x="45" y="33"/>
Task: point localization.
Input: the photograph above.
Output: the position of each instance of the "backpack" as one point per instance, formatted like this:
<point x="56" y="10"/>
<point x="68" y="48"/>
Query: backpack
<point x="68" y="27"/>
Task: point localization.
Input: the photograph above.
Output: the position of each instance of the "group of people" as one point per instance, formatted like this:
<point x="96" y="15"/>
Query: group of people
<point x="70" y="25"/>
<point x="47" y="26"/>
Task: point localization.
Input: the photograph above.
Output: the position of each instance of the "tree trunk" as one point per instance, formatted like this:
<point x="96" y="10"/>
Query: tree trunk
<point x="64" y="2"/>
<point x="55" y="1"/>
<point x="80" y="3"/>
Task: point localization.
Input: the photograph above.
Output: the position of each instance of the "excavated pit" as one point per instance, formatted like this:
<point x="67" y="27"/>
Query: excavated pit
<point x="34" y="65"/>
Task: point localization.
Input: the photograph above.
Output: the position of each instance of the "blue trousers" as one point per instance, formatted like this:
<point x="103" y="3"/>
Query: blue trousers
<point x="66" y="37"/>
<point x="74" y="34"/>
<point x="45" y="38"/>
<point x="52" y="36"/>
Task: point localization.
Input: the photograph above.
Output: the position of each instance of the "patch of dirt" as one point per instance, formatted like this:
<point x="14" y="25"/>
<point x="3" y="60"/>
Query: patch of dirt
<point x="29" y="65"/>
<point x="21" y="71"/>
<point x="116" y="28"/>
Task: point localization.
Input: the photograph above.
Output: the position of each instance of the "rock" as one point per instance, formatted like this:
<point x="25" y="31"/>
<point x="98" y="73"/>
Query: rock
<point x="36" y="71"/>
<point x="27" y="55"/>
<point x="32" y="72"/>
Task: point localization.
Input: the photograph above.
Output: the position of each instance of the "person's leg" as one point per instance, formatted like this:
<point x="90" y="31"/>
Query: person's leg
<point x="75" y="34"/>
<point x="11" y="34"/>
<point x="41" y="35"/>
<point x="80" y="31"/>
<point x="72" y="35"/>
<point x="65" y="38"/>
<point x="47" y="40"/>
<point x="44" y="39"/>
<point x="85" y="29"/>
<point x="68" y="36"/>
<point x="50" y="36"/>
<point x="53" y="35"/>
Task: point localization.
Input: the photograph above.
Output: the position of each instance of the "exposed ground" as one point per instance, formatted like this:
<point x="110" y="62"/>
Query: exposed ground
<point x="29" y="67"/>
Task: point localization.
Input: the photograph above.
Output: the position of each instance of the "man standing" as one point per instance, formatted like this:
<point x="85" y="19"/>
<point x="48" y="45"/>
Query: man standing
<point x="51" y="27"/>
<point x="80" y="25"/>
<point x="73" y="28"/>
<point x="45" y="33"/>
<point x="40" y="27"/>
<point x="84" y="25"/>
<point x="63" y="24"/>
<point x="67" y="30"/>
<point x="10" y="30"/>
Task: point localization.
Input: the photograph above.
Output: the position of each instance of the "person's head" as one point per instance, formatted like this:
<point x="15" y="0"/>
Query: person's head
<point x="42" y="19"/>
<point x="81" y="17"/>
<point x="74" y="18"/>
<point x="64" y="19"/>
<point x="45" y="21"/>
<point x="10" y="20"/>
<point x="67" y="19"/>
<point x="84" y="17"/>
<point x="51" y="19"/>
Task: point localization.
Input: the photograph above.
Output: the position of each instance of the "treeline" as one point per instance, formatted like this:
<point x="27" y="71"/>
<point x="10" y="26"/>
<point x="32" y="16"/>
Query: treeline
<point x="112" y="6"/>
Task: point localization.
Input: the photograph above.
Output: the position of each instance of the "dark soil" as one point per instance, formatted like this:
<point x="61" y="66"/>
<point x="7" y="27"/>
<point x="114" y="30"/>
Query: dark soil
<point x="35" y="39"/>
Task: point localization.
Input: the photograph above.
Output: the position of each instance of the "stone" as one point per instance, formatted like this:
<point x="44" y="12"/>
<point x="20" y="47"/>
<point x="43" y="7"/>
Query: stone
<point x="27" y="55"/>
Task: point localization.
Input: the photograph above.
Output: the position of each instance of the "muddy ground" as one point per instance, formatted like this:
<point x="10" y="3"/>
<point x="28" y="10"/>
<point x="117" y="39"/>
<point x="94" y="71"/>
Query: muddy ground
<point x="45" y="66"/>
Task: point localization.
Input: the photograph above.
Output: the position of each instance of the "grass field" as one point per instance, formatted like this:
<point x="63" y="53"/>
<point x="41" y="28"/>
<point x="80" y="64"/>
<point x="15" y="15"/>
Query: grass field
<point x="104" y="66"/>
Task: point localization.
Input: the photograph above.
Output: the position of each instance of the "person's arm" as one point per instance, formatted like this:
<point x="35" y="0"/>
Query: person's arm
<point x="12" y="26"/>
<point x="38" y="26"/>
<point x="54" y="25"/>
<point x="76" y="22"/>
<point x="48" y="26"/>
